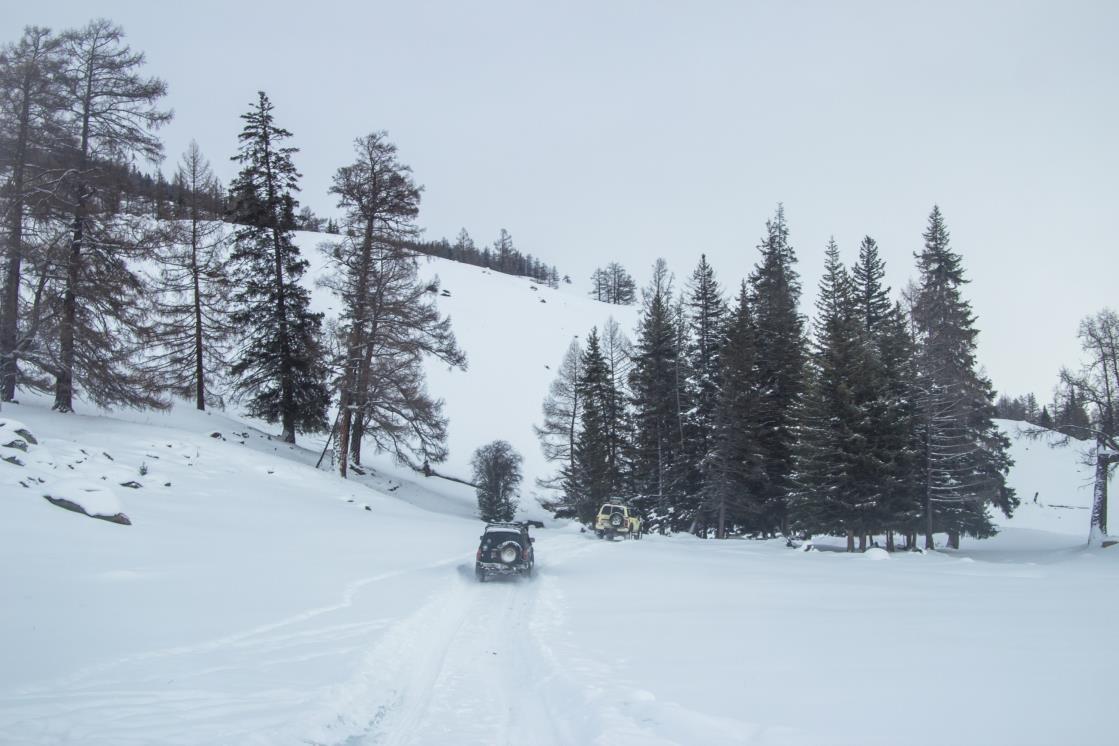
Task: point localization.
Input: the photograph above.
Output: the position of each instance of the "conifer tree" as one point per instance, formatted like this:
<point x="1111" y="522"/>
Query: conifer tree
<point x="31" y="106"/>
<point x="595" y="478"/>
<point x="279" y="364"/>
<point x="734" y="475"/>
<point x="112" y="117"/>
<point x="965" y="457"/>
<point x="612" y="284"/>
<point x="838" y="494"/>
<point x="775" y="294"/>
<point x="888" y="406"/>
<point x="705" y="313"/>
<point x="191" y="334"/>
<point x="560" y="429"/>
<point x="657" y="455"/>
<point x="617" y="352"/>
<point x="389" y="316"/>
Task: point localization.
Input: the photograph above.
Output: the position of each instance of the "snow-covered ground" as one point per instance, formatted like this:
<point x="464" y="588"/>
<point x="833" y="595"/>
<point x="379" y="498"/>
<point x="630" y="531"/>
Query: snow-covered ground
<point x="257" y="600"/>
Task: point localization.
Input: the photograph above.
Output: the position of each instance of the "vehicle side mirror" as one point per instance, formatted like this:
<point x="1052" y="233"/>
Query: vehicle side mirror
<point x="532" y="539"/>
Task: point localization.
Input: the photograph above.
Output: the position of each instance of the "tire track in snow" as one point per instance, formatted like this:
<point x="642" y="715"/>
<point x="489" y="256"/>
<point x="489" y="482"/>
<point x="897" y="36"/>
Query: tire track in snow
<point x="466" y="668"/>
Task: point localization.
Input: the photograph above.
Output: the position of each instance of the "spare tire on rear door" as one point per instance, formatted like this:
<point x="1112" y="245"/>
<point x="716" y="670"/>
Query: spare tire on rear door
<point x="509" y="553"/>
<point x="616" y="520"/>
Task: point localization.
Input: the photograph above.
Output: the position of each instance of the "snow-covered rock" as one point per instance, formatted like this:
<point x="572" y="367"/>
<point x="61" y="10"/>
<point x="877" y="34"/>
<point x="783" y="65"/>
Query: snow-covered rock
<point x="92" y="499"/>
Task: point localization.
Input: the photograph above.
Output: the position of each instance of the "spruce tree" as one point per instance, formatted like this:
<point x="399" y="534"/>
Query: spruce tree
<point x="775" y="295"/>
<point x="595" y="477"/>
<point x="965" y="457"/>
<point x="657" y="455"/>
<point x="705" y="314"/>
<point x="280" y="364"/>
<point x="835" y="469"/>
<point x="888" y="396"/>
<point x="734" y="474"/>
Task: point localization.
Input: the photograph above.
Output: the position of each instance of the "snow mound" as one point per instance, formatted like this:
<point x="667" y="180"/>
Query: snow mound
<point x="876" y="553"/>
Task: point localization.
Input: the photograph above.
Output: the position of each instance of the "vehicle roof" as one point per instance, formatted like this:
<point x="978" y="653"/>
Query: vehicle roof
<point x="506" y="526"/>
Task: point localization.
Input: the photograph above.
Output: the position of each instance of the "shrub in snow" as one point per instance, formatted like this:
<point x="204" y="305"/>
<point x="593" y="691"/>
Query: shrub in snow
<point x="876" y="553"/>
<point x="497" y="473"/>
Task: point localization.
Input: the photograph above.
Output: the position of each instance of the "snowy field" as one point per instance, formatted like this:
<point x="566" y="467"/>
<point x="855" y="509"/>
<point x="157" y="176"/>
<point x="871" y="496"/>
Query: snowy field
<point x="254" y="600"/>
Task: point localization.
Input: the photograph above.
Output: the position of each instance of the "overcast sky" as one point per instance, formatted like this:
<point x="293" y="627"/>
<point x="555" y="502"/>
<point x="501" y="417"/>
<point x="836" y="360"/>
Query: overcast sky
<point x="598" y="131"/>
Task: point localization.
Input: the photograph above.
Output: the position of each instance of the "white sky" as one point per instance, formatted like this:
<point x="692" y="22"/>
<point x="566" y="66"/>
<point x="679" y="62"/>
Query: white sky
<point x="597" y="131"/>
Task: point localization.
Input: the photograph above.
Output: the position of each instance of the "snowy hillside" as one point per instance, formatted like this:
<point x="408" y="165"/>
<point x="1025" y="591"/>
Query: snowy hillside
<point x="256" y="600"/>
<point x="515" y="333"/>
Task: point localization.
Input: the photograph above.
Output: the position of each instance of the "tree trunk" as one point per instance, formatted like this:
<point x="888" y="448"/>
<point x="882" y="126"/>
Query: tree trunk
<point x="345" y="418"/>
<point x="199" y="376"/>
<point x="1104" y="458"/>
<point x="850" y="540"/>
<point x="9" y="314"/>
<point x="890" y="541"/>
<point x="722" y="519"/>
<point x="862" y="542"/>
<point x="954" y="539"/>
<point x="64" y="380"/>
<point x="287" y="387"/>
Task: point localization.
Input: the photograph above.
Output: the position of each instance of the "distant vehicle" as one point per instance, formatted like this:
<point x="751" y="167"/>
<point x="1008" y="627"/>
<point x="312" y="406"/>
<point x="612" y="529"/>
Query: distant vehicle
<point x="505" y="549"/>
<point x="615" y="519"/>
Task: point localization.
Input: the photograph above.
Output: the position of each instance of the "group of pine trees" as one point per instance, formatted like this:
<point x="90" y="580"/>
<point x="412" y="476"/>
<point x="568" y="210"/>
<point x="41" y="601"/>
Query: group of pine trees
<point x="126" y="289"/>
<point x="502" y="257"/>
<point x="730" y="416"/>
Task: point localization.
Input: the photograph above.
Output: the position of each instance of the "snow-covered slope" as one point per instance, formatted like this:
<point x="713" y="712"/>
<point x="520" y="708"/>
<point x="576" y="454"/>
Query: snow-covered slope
<point x="256" y="600"/>
<point x="515" y="333"/>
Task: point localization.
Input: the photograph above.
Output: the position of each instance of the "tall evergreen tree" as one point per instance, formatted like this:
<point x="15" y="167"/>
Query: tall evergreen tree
<point x="280" y="362"/>
<point x="657" y="456"/>
<point x="965" y="457"/>
<point x="705" y="313"/>
<point x="734" y="474"/>
<point x="888" y="396"/>
<point x="595" y="478"/>
<point x="833" y="453"/>
<point x="775" y="294"/>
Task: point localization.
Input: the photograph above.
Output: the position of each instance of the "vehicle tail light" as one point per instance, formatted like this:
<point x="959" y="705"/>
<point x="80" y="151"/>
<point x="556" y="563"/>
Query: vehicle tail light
<point x="478" y="556"/>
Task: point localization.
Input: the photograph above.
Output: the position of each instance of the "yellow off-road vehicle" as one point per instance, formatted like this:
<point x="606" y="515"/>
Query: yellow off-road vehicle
<point x="614" y="519"/>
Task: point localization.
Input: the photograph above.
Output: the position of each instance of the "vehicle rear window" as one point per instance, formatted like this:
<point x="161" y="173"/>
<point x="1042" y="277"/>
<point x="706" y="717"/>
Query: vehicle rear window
<point x="496" y="538"/>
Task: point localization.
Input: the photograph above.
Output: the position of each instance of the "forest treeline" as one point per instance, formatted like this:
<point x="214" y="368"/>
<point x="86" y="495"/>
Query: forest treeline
<point x="728" y="414"/>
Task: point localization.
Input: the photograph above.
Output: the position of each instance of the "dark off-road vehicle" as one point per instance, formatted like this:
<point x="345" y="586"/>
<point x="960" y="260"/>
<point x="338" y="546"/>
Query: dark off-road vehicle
<point x="505" y="549"/>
